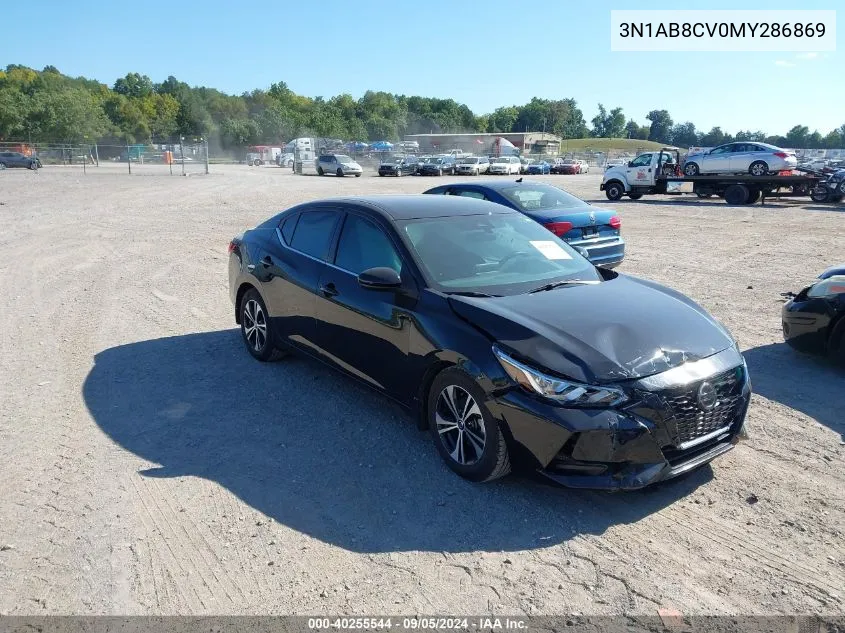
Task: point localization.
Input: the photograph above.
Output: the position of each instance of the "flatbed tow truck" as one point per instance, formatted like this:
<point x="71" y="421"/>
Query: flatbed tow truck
<point x="659" y="172"/>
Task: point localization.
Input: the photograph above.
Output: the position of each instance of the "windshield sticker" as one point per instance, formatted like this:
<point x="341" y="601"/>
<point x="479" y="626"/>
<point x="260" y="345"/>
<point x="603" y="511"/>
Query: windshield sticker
<point x="550" y="250"/>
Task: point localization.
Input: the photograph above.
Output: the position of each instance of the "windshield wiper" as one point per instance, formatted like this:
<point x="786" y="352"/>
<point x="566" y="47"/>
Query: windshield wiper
<point x="470" y="293"/>
<point x="559" y="284"/>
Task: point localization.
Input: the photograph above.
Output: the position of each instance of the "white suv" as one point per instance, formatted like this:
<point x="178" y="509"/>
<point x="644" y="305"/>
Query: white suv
<point x="505" y="165"/>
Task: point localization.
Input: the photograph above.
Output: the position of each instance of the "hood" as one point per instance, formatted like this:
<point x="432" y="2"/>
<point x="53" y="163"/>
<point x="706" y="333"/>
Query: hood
<point x="620" y="329"/>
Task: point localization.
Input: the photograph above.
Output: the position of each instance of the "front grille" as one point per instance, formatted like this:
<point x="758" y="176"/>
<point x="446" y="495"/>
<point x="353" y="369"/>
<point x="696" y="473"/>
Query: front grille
<point x="691" y="420"/>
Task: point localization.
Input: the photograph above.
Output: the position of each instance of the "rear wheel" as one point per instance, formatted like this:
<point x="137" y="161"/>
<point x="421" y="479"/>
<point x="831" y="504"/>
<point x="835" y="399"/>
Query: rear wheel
<point x="614" y="190"/>
<point x="736" y="194"/>
<point x="753" y="196"/>
<point x="819" y="194"/>
<point x="467" y="436"/>
<point x="691" y="169"/>
<point x="320" y="171"/>
<point x="758" y="168"/>
<point x="256" y="329"/>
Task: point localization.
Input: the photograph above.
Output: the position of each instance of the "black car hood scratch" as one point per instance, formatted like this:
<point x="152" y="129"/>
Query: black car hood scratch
<point x="621" y="329"/>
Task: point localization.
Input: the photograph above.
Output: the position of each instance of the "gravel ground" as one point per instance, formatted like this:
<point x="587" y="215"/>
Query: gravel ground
<point x="150" y="466"/>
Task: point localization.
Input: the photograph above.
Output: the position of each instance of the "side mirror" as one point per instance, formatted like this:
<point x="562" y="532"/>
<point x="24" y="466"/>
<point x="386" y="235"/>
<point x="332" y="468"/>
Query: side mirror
<point x="630" y="163"/>
<point x="379" y="278"/>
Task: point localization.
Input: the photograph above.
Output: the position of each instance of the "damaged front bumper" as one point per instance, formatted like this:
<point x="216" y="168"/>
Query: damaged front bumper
<point x="675" y="422"/>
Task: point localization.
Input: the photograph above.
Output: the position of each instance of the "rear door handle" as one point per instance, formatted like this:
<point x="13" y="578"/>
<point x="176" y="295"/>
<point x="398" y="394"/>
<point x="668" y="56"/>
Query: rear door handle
<point x="328" y="290"/>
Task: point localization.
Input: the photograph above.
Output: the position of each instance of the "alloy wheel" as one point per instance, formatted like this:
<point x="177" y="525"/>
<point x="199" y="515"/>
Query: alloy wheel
<point x="255" y="325"/>
<point x="460" y="425"/>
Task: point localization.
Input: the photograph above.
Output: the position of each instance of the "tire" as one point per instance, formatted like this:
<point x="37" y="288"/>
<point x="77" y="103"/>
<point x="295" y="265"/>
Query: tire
<point x="458" y="446"/>
<point x="614" y="190"/>
<point x="439" y="172"/>
<point x="398" y="173"/>
<point x="841" y="189"/>
<point x="340" y="172"/>
<point x="704" y="196"/>
<point x="254" y="312"/>
<point x="836" y="343"/>
<point x="753" y="196"/>
<point x="320" y="171"/>
<point x="736" y="194"/>
<point x="820" y="194"/>
<point x="381" y="174"/>
<point x="357" y="175"/>
<point x="33" y="166"/>
<point x="758" y="168"/>
<point x="691" y="169"/>
<point x="635" y="196"/>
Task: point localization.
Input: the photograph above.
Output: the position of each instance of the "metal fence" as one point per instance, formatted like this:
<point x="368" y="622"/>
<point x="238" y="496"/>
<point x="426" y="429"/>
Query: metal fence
<point x="180" y="158"/>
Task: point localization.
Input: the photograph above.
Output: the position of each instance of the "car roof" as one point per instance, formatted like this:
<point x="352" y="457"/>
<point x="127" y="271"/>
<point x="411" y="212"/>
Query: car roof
<point x="415" y="206"/>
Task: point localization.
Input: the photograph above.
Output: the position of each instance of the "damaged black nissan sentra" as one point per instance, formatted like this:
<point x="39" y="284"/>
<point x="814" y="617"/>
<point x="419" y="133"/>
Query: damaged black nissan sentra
<point x="506" y="343"/>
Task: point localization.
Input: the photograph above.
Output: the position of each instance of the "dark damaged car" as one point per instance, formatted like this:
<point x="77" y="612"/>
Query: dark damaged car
<point x="814" y="319"/>
<point x="503" y="341"/>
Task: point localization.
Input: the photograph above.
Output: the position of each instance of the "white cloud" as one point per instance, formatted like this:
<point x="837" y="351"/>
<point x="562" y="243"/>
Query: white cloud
<point x="784" y="64"/>
<point x="807" y="55"/>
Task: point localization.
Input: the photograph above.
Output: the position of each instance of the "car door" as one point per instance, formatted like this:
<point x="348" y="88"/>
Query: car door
<point x="742" y="155"/>
<point x="289" y="270"/>
<point x="717" y="160"/>
<point x="639" y="170"/>
<point x="362" y="331"/>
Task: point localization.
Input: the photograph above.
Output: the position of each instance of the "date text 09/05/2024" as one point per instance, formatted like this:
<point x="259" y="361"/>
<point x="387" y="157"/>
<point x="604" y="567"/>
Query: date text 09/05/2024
<point x="416" y="623"/>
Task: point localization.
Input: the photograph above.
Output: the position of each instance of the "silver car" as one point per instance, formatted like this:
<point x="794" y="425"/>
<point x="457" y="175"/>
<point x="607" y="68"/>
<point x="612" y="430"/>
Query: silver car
<point x="757" y="159"/>
<point x="338" y="164"/>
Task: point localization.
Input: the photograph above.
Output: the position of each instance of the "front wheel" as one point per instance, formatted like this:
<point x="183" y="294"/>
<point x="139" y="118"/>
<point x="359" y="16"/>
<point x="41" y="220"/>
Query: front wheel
<point x="691" y="169"/>
<point x="256" y="328"/>
<point x="614" y="190"/>
<point x="467" y="436"/>
<point x="33" y="165"/>
<point x="340" y="172"/>
<point x="758" y="168"/>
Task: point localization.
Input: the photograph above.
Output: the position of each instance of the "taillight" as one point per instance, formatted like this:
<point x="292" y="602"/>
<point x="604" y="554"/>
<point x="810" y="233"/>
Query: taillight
<point x="559" y="228"/>
<point x="232" y="246"/>
<point x="615" y="222"/>
<point x="781" y="154"/>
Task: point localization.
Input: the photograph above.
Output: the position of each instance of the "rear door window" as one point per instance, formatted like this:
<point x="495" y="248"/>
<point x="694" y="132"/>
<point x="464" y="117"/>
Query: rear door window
<point x="314" y="231"/>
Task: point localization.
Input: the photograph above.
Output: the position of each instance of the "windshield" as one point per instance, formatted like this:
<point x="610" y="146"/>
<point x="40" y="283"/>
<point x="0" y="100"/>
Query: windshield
<point x="469" y="161"/>
<point x="569" y="161"/>
<point x="534" y="196"/>
<point x="343" y="158"/>
<point x="495" y="254"/>
<point x="502" y="160"/>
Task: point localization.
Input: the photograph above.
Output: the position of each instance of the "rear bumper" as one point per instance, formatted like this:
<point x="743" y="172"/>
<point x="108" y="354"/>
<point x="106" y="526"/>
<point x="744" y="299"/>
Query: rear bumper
<point x="608" y="254"/>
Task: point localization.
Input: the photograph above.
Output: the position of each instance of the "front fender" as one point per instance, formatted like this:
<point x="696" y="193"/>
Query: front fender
<point x="618" y="176"/>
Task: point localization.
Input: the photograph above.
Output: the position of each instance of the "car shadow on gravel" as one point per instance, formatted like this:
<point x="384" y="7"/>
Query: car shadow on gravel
<point x="808" y="384"/>
<point x="319" y="453"/>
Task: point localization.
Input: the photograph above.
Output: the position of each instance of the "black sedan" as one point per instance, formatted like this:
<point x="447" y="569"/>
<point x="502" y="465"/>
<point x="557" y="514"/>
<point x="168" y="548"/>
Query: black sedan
<point x="502" y="340"/>
<point x="814" y="319"/>
<point x="593" y="229"/>
<point x="16" y="159"/>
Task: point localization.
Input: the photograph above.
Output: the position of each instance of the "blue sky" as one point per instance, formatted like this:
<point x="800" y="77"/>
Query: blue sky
<point x="485" y="54"/>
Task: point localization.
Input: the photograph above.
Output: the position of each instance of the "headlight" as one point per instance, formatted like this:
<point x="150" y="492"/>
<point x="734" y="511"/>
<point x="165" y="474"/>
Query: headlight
<point x="564" y="392"/>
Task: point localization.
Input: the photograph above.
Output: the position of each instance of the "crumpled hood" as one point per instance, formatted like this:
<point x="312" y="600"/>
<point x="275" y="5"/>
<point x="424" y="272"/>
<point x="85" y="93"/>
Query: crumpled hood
<point x="620" y="329"/>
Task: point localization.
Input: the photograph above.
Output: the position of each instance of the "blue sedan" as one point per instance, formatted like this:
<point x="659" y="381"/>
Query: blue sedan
<point x="595" y="230"/>
<point x="539" y="168"/>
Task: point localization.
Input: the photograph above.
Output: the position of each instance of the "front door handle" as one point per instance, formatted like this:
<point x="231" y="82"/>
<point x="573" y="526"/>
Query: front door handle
<point x="328" y="290"/>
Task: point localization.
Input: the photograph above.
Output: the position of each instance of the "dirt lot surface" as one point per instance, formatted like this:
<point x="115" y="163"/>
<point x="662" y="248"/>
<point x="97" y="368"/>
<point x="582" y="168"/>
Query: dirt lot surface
<point x="150" y="466"/>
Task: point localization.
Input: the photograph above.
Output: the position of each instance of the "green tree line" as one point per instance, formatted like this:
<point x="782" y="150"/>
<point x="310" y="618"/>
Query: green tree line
<point x="47" y="106"/>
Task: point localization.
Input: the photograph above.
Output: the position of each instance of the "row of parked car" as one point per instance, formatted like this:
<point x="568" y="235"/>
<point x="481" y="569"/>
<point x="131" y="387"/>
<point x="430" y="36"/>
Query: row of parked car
<point x="403" y="165"/>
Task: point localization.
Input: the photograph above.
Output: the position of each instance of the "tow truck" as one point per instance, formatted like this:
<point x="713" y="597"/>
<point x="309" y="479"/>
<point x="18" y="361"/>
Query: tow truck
<point x="659" y="172"/>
